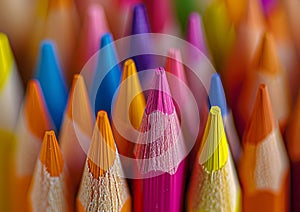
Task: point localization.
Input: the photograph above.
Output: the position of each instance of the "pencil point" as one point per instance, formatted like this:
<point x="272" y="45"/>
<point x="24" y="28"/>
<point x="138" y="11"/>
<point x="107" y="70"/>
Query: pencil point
<point x="266" y="55"/>
<point x="140" y="23"/>
<point x="50" y="155"/>
<point x="174" y="64"/>
<point x="6" y="59"/>
<point x="49" y="74"/>
<point x="78" y="89"/>
<point x="159" y="98"/>
<point x="217" y="95"/>
<point x="261" y="122"/>
<point x="94" y="26"/>
<point x="35" y="110"/>
<point x="108" y="64"/>
<point x="214" y="148"/>
<point x="102" y="152"/>
<point x="195" y="33"/>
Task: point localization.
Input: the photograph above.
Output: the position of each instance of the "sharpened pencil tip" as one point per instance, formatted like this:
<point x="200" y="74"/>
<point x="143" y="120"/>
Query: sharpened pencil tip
<point x="214" y="148"/>
<point x="261" y="122"/>
<point x="51" y="156"/>
<point x="159" y="98"/>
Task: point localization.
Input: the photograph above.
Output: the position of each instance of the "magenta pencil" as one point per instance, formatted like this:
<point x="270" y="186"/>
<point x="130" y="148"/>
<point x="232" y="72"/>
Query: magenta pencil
<point x="160" y="152"/>
<point x="195" y="34"/>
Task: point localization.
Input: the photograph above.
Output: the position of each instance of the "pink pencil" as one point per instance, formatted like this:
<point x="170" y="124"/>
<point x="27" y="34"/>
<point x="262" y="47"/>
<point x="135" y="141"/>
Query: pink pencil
<point x="93" y="27"/>
<point x="160" y="152"/>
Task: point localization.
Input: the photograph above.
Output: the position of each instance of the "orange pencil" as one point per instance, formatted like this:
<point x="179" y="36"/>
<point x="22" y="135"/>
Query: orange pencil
<point x="49" y="189"/>
<point x="264" y="166"/>
<point x="103" y="187"/>
<point x="76" y="131"/>
<point x="266" y="69"/>
<point x="277" y="20"/>
<point x="249" y="33"/>
<point x="33" y="121"/>
<point x="128" y="110"/>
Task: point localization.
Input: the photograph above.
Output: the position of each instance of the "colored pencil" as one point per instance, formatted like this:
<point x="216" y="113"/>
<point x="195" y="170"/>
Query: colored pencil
<point x="107" y="64"/>
<point x="140" y="25"/>
<point x="11" y="93"/>
<point x="217" y="98"/>
<point x="53" y="19"/>
<point x="287" y="53"/>
<point x="93" y="27"/>
<point x="160" y="153"/>
<point x="49" y="189"/>
<point x="128" y="111"/>
<point x="214" y="185"/>
<point x="266" y="69"/>
<point x="178" y="84"/>
<point x="33" y="121"/>
<point x="103" y="187"/>
<point x="248" y="36"/>
<point x="220" y="39"/>
<point x="76" y="131"/>
<point x="264" y="166"/>
<point x="49" y="74"/>
<point x="196" y="36"/>
<point x="161" y="16"/>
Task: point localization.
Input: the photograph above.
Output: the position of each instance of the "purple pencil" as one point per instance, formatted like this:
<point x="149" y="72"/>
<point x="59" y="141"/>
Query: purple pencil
<point x="160" y="152"/>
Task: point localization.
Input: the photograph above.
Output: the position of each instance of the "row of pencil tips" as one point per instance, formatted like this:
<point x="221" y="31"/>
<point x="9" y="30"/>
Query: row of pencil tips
<point x="143" y="122"/>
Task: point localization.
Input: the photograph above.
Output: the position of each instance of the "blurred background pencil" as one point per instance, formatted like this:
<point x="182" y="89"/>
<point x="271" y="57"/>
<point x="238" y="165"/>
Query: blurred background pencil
<point x="49" y="190"/>
<point x="103" y="187"/>
<point x="76" y="132"/>
<point x="266" y="69"/>
<point x="11" y="94"/>
<point x="93" y="26"/>
<point x="34" y="119"/>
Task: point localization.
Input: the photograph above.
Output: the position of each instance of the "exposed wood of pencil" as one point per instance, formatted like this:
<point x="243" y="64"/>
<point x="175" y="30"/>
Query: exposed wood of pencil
<point x="102" y="186"/>
<point x="49" y="189"/>
<point x="214" y="185"/>
<point x="33" y="121"/>
<point x="76" y="130"/>
<point x="264" y="167"/>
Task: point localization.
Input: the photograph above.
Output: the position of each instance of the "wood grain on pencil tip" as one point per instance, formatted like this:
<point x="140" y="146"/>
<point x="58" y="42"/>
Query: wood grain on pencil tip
<point x="49" y="186"/>
<point x="103" y="187"/>
<point x="264" y="166"/>
<point x="214" y="171"/>
<point x="50" y="155"/>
